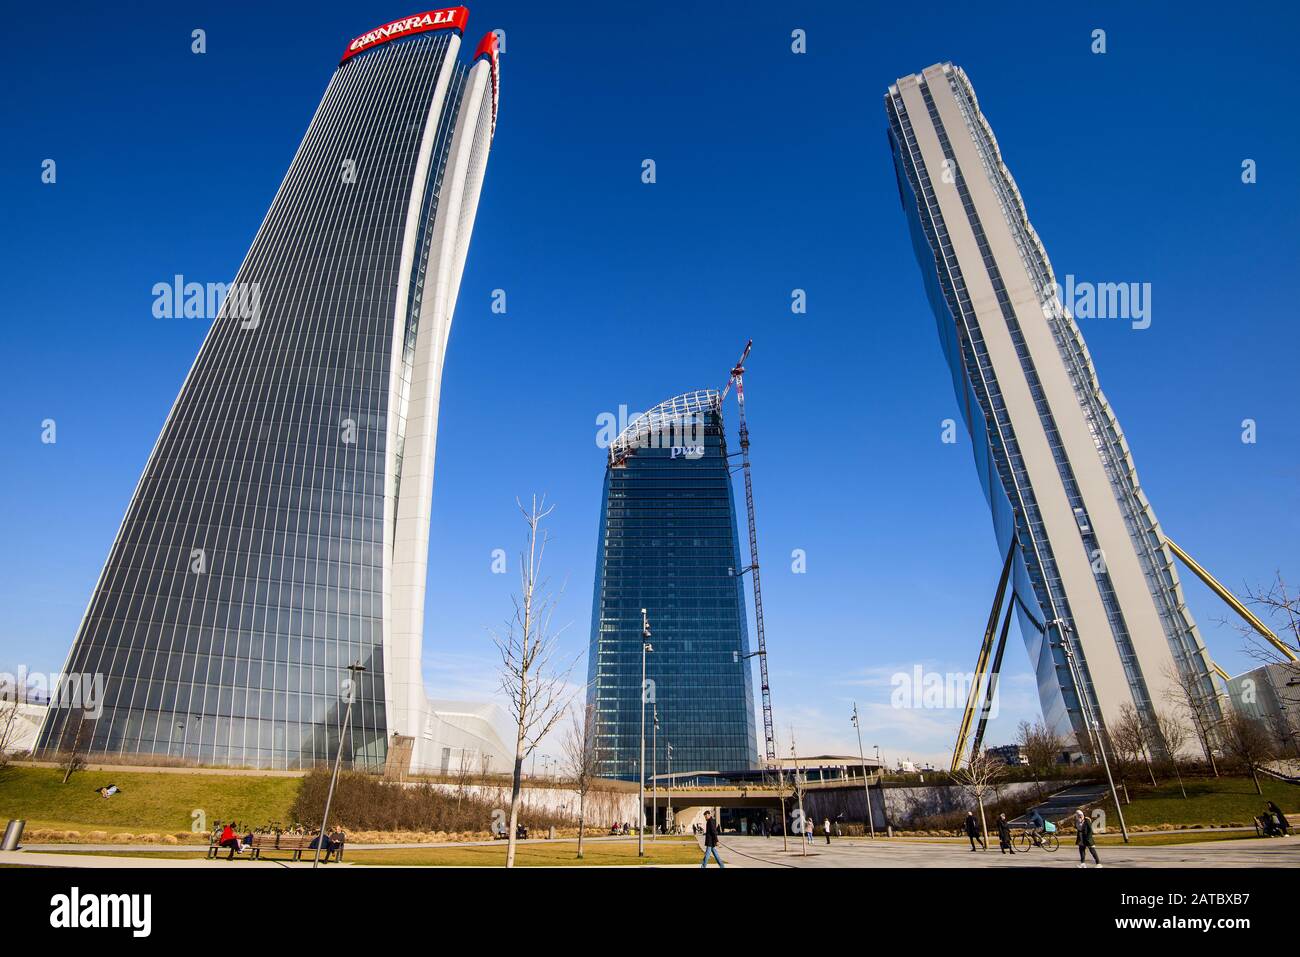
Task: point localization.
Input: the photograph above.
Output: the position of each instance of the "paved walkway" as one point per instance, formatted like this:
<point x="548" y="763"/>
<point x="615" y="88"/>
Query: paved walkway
<point x="1064" y="803"/>
<point x="858" y="852"/>
<point x="747" y="852"/>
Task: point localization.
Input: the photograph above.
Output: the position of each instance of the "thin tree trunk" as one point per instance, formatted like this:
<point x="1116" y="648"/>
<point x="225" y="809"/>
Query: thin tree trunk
<point x="582" y="809"/>
<point x="515" y="794"/>
<point x="1255" y="776"/>
<point x="984" y="823"/>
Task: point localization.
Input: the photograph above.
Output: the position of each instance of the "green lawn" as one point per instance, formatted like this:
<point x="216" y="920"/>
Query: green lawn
<point x="1210" y="801"/>
<point x="1161" y="838"/>
<point x="149" y="802"/>
<point x="558" y="854"/>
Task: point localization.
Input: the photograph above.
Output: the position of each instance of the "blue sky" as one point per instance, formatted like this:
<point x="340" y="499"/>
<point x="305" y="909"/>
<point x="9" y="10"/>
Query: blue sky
<point x="773" y="173"/>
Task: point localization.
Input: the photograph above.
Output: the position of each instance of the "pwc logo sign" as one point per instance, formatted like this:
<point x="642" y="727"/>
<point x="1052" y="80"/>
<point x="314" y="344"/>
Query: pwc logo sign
<point x="453" y="18"/>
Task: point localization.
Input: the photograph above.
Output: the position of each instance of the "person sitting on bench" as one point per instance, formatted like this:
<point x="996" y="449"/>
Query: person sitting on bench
<point x="231" y="840"/>
<point x="325" y="844"/>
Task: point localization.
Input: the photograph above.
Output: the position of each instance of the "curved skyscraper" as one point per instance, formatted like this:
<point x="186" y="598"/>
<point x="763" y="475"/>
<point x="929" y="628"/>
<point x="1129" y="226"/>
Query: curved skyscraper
<point x="1090" y="566"/>
<point x="668" y="544"/>
<point x="280" y="530"/>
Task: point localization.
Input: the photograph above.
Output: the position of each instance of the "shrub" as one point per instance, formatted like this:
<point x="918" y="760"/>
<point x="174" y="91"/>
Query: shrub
<point x="364" y="802"/>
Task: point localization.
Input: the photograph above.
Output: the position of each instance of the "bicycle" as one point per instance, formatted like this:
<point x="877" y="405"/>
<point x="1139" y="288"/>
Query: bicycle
<point x="1266" y="826"/>
<point x="1047" y="840"/>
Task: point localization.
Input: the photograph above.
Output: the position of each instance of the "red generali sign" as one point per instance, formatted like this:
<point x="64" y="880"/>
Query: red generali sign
<point x="453" y="18"/>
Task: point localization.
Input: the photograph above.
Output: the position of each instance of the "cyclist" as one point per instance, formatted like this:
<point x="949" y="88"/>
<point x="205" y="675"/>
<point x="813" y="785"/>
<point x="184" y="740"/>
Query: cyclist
<point x="1036" y="827"/>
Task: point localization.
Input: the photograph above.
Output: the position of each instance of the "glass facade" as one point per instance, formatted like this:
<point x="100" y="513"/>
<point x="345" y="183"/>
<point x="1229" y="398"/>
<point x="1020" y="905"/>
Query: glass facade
<point x="668" y="544"/>
<point x="1040" y="585"/>
<point x="251" y="567"/>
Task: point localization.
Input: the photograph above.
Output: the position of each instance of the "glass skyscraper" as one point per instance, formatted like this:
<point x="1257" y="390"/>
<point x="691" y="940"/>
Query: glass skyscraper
<point x="668" y="544"/>
<point x="1090" y="559"/>
<point x="280" y="530"/>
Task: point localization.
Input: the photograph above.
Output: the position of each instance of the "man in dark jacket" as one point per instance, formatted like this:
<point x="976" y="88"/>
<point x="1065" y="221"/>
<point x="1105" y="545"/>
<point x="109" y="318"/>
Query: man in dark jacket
<point x="710" y="840"/>
<point x="973" y="832"/>
<point x="1004" y="835"/>
<point x="1083" y="838"/>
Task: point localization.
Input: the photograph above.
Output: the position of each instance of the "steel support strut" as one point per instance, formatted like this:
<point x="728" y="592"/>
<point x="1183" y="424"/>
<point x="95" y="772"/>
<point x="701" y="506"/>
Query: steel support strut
<point x="976" y="696"/>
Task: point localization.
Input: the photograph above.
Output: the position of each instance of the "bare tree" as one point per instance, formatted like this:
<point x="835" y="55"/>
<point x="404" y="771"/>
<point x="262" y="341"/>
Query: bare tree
<point x="8" y="728"/>
<point x="1186" y="693"/>
<point x="580" y="759"/>
<point x="464" y="771"/>
<point x="536" y="687"/>
<point x="1247" y="740"/>
<point x="1042" y="747"/>
<point x="72" y="759"/>
<point x="1170" y="735"/>
<point x="1279" y="608"/>
<point x="979" y="778"/>
<point x="782" y="796"/>
<point x="1130" y="739"/>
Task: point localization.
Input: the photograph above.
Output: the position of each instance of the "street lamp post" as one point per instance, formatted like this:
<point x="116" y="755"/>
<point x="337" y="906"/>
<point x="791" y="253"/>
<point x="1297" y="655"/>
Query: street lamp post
<point x="1093" y="725"/>
<point x="356" y="668"/>
<point x="654" y="776"/>
<point x="640" y="775"/>
<point x="668" y="812"/>
<point x="798" y="793"/>
<point x="866" y="786"/>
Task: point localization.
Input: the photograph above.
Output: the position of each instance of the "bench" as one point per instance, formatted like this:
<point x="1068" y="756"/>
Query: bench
<point x="293" y="844"/>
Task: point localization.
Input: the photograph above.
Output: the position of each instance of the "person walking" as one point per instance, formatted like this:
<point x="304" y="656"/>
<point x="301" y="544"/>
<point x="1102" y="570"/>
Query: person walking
<point x="826" y="827"/>
<point x="973" y="832"/>
<point x="1084" y="839"/>
<point x="710" y="840"/>
<point x="1004" y="835"/>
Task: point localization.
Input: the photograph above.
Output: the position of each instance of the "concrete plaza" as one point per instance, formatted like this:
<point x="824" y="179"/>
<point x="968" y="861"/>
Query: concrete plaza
<point x="896" y="852"/>
<point x="750" y="852"/>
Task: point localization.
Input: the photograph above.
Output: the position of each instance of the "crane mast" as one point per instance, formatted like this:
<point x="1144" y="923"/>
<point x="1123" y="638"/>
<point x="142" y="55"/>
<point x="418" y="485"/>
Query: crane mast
<point x="738" y="380"/>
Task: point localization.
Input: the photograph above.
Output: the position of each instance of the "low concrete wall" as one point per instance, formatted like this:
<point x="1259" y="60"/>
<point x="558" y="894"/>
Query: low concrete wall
<point x="900" y="806"/>
<point x="603" y="807"/>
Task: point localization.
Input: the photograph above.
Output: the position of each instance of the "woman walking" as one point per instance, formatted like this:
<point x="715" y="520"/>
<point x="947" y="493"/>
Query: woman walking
<point x="1083" y="838"/>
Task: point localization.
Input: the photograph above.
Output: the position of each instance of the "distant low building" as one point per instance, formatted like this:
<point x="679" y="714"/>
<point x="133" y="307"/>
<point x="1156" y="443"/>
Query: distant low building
<point x="1012" y="754"/>
<point x="1271" y="693"/>
<point x="462" y="736"/>
<point x="19" y="727"/>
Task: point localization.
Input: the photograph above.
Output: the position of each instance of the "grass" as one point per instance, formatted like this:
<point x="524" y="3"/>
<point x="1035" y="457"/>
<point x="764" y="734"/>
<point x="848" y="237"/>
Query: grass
<point x="160" y="855"/>
<point x="149" y="802"/>
<point x="1210" y="801"/>
<point x="558" y="854"/>
<point x="1161" y="838"/>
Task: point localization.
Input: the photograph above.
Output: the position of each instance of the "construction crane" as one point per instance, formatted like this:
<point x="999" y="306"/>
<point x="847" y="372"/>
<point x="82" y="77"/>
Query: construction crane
<point x="737" y="379"/>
